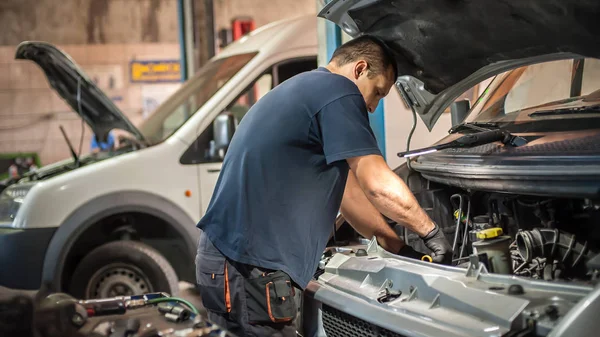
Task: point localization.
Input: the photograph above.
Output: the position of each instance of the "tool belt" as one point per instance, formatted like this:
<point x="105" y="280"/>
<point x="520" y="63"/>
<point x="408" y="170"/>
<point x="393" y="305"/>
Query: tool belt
<point x="268" y="294"/>
<point x="270" y="298"/>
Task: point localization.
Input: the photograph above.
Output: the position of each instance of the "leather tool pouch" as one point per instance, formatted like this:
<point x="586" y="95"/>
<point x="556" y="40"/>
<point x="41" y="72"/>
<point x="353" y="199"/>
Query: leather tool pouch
<point x="270" y="298"/>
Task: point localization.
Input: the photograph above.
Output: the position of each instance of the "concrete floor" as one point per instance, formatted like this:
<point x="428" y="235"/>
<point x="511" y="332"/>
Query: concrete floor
<point x="188" y="292"/>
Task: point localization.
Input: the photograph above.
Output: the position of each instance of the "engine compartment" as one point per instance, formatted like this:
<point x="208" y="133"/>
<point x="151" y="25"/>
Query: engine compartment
<point x="550" y="239"/>
<point x="538" y="237"/>
<point x="523" y="265"/>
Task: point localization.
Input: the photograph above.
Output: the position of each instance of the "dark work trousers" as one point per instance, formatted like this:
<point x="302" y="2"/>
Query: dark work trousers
<point x="223" y="289"/>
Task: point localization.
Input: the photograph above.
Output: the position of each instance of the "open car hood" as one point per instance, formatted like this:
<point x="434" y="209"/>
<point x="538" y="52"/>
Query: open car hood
<point x="97" y="110"/>
<point x="445" y="47"/>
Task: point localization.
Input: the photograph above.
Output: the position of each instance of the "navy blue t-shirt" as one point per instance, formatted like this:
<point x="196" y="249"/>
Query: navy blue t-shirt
<point x="284" y="174"/>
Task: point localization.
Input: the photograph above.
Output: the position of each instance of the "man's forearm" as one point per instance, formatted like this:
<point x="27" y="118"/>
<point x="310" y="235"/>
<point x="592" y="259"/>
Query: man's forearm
<point x="386" y="236"/>
<point x="390" y="195"/>
<point x="397" y="202"/>
<point x="365" y="218"/>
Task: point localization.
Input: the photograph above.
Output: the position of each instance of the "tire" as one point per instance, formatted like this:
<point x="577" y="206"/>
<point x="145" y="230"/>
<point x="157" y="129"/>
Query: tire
<point x="122" y="268"/>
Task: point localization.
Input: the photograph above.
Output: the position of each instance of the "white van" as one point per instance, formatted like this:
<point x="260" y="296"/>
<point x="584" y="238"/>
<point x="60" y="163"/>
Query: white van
<point x="124" y="222"/>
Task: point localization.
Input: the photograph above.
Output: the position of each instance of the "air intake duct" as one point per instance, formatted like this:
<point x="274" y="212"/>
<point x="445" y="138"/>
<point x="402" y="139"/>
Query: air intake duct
<point x="552" y="244"/>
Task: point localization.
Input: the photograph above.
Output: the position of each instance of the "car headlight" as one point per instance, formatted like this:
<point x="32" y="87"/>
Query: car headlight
<point x="10" y="201"/>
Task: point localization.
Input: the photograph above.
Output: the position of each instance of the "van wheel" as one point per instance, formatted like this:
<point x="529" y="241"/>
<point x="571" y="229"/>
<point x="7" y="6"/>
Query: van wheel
<point x="123" y="268"/>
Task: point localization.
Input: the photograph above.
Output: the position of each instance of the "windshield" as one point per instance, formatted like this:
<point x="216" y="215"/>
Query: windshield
<point x="550" y="92"/>
<point x="176" y="110"/>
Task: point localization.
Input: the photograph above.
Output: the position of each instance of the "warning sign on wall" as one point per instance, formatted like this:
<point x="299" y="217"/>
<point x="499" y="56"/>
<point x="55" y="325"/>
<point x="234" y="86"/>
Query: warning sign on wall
<point x="159" y="71"/>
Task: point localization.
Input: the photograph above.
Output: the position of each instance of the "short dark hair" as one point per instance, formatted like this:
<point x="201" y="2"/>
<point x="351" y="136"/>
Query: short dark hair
<point x="373" y="50"/>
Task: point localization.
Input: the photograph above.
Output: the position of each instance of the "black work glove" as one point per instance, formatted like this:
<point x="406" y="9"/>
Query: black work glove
<point x="439" y="245"/>
<point x="408" y="251"/>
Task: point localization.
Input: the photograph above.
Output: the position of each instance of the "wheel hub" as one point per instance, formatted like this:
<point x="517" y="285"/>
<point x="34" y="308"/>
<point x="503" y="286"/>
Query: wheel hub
<point x="118" y="280"/>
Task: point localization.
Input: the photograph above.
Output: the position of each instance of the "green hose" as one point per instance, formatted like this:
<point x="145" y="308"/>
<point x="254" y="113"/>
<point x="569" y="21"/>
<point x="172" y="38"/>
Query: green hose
<point x="174" y="299"/>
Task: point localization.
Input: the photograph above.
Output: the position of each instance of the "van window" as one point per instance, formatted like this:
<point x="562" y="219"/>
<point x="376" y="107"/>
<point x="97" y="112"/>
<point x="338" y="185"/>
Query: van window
<point x="540" y="84"/>
<point x="558" y="95"/>
<point x="273" y="77"/>
<point x="178" y="108"/>
<point x="519" y="92"/>
<point x="203" y="150"/>
<point x="257" y="90"/>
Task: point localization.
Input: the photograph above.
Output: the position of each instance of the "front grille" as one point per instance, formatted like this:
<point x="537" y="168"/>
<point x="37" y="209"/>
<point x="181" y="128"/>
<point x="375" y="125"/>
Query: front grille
<point x="341" y="324"/>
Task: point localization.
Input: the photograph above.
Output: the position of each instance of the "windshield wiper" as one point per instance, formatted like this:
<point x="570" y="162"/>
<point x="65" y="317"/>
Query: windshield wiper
<point x="471" y="140"/>
<point x="477" y="126"/>
<point x="567" y="111"/>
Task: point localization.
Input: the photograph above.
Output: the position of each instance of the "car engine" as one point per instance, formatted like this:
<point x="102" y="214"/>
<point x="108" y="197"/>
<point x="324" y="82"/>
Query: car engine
<point x="541" y="238"/>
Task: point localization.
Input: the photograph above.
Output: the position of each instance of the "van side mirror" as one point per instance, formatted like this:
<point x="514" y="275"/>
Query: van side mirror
<point x="459" y="111"/>
<point x="223" y="129"/>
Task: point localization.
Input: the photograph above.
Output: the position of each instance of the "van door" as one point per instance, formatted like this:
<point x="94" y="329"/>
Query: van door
<point x="210" y="147"/>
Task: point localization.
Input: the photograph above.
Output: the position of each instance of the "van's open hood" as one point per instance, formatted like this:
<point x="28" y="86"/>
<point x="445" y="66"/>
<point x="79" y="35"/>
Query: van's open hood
<point x="64" y="75"/>
<point x="444" y="47"/>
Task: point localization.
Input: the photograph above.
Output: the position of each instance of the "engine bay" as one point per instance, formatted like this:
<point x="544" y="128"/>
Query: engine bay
<point x="537" y="257"/>
<point x="541" y="238"/>
<point x="538" y="237"/>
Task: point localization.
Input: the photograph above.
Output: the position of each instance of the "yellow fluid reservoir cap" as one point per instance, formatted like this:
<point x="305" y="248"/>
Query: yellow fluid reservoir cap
<point x="489" y="233"/>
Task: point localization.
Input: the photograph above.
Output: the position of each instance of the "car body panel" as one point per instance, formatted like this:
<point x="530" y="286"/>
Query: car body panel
<point x="110" y="204"/>
<point x="434" y="300"/>
<point x="134" y="171"/>
<point x="439" y="44"/>
<point x="23" y="270"/>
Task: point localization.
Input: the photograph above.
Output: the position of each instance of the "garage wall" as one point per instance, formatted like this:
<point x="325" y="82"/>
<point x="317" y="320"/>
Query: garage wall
<point x="31" y="112"/>
<point x="103" y="37"/>
<point x="399" y="121"/>
<point x="88" y="21"/>
<point x="262" y="11"/>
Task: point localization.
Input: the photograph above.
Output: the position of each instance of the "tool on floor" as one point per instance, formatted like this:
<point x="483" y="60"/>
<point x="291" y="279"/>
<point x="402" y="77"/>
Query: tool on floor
<point x="120" y="304"/>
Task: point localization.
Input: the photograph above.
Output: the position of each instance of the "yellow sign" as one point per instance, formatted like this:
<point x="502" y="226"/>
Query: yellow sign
<point x="155" y="71"/>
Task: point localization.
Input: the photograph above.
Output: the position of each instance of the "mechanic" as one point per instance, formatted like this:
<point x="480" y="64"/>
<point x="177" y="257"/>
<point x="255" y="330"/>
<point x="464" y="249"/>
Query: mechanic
<point x="304" y="151"/>
<point x="96" y="146"/>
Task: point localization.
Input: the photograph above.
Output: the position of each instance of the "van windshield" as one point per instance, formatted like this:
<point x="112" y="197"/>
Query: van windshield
<point x="178" y="108"/>
<point x="543" y="95"/>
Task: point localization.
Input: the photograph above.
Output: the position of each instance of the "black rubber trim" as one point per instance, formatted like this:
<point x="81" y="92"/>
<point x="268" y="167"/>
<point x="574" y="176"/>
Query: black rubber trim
<point x="22" y="256"/>
<point x="542" y="188"/>
<point x="106" y="205"/>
